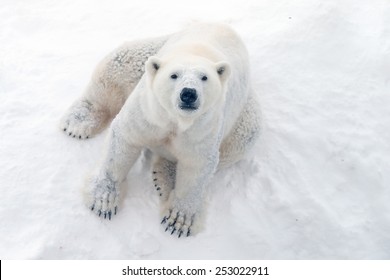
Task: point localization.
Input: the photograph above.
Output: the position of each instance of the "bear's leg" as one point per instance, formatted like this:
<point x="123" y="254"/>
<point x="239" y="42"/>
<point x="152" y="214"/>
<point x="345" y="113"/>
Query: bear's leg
<point x="183" y="212"/>
<point x="112" y="82"/>
<point x="243" y="136"/>
<point x="102" y="191"/>
<point x="164" y="176"/>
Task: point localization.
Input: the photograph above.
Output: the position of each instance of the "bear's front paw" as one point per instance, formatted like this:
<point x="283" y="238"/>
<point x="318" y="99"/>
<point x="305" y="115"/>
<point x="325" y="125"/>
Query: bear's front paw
<point x="103" y="197"/>
<point x="179" y="222"/>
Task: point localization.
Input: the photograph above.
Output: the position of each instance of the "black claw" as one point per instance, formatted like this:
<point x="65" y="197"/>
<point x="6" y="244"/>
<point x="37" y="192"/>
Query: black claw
<point x="109" y="215"/>
<point x="74" y="135"/>
<point x="167" y="228"/>
<point x="105" y="215"/>
<point x="87" y="137"/>
<point x="65" y="129"/>
<point x="158" y="188"/>
<point x="154" y="172"/>
<point x="164" y="220"/>
<point x="173" y="224"/>
<point x="155" y="179"/>
<point x="180" y="233"/>
<point x="100" y="213"/>
<point x="188" y="232"/>
<point x="160" y="194"/>
<point x="93" y="207"/>
<point x="70" y="133"/>
<point x="80" y="137"/>
<point x="115" y="210"/>
<point x="174" y="229"/>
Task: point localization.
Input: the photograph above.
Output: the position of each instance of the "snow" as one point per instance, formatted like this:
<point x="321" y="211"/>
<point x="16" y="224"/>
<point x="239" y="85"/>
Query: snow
<point x="316" y="186"/>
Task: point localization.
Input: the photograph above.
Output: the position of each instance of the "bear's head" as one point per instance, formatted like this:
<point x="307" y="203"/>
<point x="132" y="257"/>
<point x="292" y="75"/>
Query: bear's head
<point x="187" y="86"/>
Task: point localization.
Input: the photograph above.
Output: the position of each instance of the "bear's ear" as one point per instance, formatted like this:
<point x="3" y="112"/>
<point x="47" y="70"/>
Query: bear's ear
<point x="223" y="70"/>
<point x="152" y="65"/>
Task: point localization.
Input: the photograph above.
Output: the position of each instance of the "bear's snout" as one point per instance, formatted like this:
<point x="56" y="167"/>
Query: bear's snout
<point x="188" y="97"/>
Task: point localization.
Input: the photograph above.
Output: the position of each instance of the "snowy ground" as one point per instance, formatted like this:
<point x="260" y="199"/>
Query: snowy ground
<point x="316" y="187"/>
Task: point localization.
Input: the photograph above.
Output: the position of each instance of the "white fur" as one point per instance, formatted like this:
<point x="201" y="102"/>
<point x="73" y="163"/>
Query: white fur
<point x="188" y="145"/>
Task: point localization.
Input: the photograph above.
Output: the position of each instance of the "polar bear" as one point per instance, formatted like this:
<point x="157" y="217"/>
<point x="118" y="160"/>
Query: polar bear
<point x="187" y="99"/>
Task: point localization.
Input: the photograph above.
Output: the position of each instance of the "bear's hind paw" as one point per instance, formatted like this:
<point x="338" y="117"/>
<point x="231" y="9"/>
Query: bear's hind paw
<point x="82" y="121"/>
<point x="161" y="185"/>
<point x="75" y="134"/>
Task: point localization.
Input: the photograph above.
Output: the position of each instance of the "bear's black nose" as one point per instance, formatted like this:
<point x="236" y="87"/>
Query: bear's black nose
<point x="188" y="95"/>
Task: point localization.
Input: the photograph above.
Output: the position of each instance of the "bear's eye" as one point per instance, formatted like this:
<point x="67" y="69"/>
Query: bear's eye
<point x="204" y="78"/>
<point x="173" y="76"/>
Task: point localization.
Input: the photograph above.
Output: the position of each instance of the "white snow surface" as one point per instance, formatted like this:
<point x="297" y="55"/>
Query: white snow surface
<point x="317" y="185"/>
